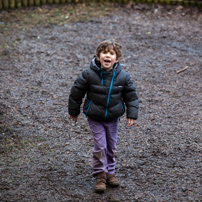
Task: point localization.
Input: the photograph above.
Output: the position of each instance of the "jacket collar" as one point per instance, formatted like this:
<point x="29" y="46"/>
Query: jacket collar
<point x="95" y="65"/>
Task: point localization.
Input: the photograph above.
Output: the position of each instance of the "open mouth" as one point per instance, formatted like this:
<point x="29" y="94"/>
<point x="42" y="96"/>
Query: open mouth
<point x="107" y="61"/>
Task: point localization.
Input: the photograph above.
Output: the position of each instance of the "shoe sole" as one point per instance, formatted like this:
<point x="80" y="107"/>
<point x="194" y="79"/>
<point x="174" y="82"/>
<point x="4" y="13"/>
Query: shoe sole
<point x="100" y="190"/>
<point x="114" y="184"/>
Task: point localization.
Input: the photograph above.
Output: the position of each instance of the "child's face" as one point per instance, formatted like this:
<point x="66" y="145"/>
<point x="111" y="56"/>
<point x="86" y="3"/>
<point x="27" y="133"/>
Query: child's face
<point x="107" y="59"/>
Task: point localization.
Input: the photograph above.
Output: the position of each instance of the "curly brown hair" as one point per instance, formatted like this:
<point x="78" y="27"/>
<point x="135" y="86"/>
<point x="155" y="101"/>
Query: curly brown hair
<point x="108" y="45"/>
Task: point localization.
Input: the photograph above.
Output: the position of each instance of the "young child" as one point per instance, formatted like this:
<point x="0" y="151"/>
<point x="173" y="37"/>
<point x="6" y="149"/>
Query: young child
<point x="108" y="90"/>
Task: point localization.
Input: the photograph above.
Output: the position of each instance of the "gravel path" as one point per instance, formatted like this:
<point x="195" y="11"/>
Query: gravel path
<point x="46" y="157"/>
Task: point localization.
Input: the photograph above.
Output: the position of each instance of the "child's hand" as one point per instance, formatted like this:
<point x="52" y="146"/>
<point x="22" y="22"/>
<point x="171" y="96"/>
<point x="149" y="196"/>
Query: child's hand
<point x="130" y="122"/>
<point x="74" y="118"/>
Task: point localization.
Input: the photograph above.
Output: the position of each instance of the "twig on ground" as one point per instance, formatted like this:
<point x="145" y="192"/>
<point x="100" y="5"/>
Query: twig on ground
<point x="181" y="70"/>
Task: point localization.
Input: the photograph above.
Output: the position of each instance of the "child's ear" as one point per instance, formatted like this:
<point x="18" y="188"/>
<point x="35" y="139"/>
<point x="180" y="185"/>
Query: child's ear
<point x="118" y="60"/>
<point x="97" y="58"/>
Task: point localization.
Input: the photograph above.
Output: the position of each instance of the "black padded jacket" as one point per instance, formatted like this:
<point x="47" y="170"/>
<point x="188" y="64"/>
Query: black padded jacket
<point x="107" y="93"/>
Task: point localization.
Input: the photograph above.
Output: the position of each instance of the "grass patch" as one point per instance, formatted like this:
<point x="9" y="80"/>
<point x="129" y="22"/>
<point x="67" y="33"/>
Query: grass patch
<point x="59" y="15"/>
<point x="8" y="145"/>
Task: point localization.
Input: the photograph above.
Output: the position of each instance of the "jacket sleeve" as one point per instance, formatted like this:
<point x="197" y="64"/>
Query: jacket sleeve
<point x="77" y="93"/>
<point x="131" y="99"/>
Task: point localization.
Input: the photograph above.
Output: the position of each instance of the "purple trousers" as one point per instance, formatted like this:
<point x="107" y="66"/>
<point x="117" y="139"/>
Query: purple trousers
<point x="105" y="138"/>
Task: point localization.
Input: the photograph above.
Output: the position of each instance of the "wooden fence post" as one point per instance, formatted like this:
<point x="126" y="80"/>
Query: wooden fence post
<point x="37" y="2"/>
<point x="12" y="4"/>
<point x="199" y="4"/>
<point x="18" y="3"/>
<point x="186" y="3"/>
<point x="43" y="2"/>
<point x="1" y="5"/>
<point x="149" y="1"/>
<point x="174" y="2"/>
<point x="30" y="3"/>
<point x="161" y="1"/>
<point x="168" y="2"/>
<point x="49" y="1"/>
<point x="25" y="3"/>
<point x="192" y="3"/>
<point x="5" y="4"/>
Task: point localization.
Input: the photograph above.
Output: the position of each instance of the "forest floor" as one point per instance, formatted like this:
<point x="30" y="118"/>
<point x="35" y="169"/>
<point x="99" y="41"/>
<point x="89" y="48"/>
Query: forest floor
<point x="46" y="157"/>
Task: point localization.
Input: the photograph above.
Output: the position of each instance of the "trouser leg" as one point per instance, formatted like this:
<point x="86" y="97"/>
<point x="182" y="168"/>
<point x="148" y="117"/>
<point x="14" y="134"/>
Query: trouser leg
<point x="100" y="146"/>
<point x="111" y="138"/>
<point x="105" y="138"/>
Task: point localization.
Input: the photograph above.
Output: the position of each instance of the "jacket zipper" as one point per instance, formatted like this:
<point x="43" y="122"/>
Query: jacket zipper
<point x="109" y="93"/>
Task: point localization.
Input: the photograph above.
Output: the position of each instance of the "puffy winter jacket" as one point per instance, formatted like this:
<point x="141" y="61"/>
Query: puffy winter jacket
<point x="107" y="93"/>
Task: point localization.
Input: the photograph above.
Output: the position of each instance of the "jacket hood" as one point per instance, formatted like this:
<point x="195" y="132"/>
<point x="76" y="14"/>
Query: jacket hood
<point x="96" y="66"/>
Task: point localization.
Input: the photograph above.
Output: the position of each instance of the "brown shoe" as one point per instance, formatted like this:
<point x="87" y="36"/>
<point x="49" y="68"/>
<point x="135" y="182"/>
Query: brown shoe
<point x="112" y="180"/>
<point x="100" y="182"/>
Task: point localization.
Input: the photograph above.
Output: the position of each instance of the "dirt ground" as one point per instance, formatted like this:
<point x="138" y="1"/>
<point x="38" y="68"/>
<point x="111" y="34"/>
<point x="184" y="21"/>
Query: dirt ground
<point x="46" y="157"/>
